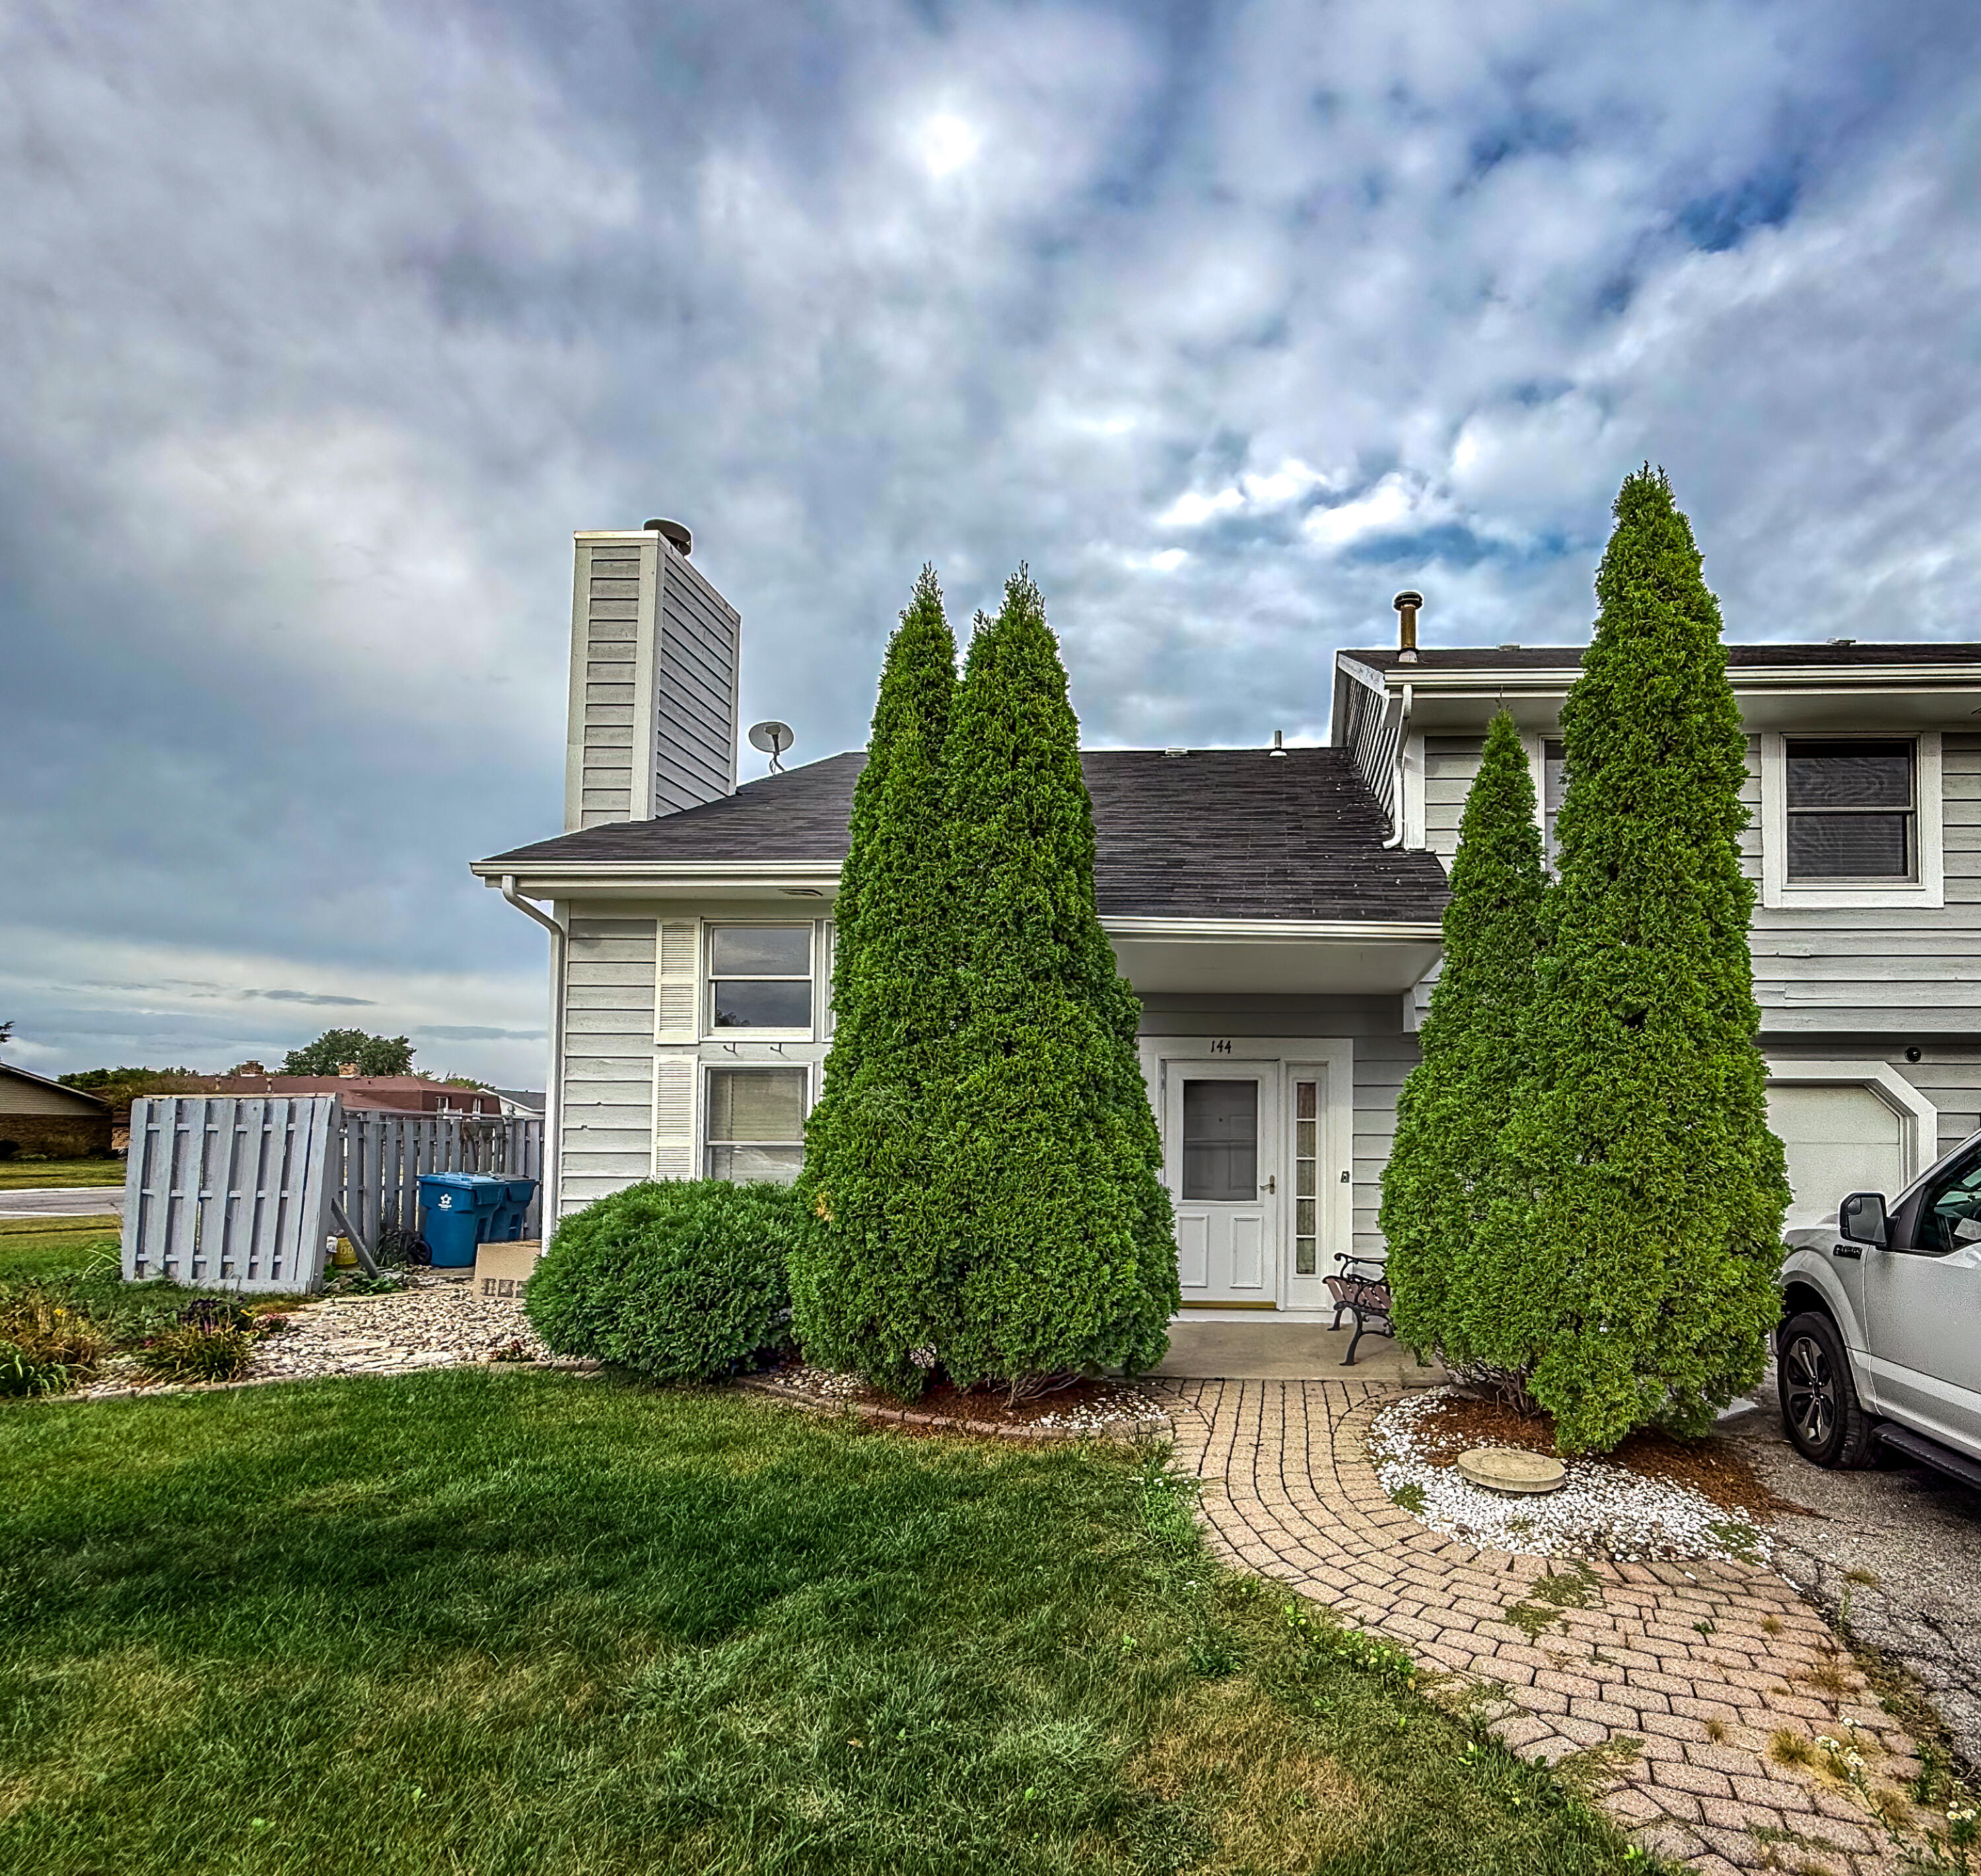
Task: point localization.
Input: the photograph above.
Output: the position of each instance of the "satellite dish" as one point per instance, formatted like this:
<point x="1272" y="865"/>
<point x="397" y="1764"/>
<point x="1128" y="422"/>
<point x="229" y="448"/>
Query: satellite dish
<point x="774" y="738"/>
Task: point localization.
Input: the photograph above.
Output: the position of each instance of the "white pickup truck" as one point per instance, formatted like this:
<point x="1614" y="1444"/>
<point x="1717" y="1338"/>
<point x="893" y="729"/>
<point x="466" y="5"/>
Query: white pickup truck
<point x="1880" y="1339"/>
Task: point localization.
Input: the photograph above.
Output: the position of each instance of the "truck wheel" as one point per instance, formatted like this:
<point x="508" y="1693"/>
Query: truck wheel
<point x="1820" y="1410"/>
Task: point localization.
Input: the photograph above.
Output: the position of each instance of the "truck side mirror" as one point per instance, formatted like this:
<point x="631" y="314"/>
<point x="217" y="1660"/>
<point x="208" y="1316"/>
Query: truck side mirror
<point x="1861" y="1219"/>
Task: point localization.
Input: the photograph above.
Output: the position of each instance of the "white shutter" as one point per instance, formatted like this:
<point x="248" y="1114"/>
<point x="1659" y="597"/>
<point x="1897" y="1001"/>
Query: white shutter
<point x="674" y="1118"/>
<point x="675" y="1006"/>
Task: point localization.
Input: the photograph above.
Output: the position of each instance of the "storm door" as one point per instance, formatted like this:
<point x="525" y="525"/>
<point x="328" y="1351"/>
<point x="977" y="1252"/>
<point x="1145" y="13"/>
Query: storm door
<point x="1221" y="1136"/>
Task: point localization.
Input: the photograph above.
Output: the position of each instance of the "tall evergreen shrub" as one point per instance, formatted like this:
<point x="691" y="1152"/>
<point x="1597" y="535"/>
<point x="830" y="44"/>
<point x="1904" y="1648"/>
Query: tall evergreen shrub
<point x="1050" y="1156"/>
<point x="1457" y="1099"/>
<point x="868" y="1289"/>
<point x="1626" y="1269"/>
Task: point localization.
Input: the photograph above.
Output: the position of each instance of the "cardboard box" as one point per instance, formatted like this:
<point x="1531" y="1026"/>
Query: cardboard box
<point x="502" y="1270"/>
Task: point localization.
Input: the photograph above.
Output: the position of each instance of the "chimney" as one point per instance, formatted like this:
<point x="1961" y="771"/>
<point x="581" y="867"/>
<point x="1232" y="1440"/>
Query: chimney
<point x="1407" y="604"/>
<point x="654" y="656"/>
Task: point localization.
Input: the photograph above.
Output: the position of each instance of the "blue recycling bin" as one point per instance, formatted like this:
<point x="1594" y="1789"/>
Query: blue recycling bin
<point x="458" y="1208"/>
<point x="507" y="1225"/>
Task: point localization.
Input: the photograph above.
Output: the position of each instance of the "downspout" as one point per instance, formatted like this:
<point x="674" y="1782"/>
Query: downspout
<point x="1403" y="758"/>
<point x="554" y="1088"/>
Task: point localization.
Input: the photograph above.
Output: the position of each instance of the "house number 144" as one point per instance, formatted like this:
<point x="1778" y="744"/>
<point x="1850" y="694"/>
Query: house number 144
<point x="1220" y="1048"/>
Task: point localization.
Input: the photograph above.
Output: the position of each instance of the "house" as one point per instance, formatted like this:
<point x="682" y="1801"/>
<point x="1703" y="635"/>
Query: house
<point x="383" y="1094"/>
<point x="1276" y="910"/>
<point x="43" y="1117"/>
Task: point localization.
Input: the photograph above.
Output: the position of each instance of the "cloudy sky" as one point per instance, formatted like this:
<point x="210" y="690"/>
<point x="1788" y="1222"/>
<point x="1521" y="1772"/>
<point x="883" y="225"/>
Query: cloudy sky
<point x="322" y="327"/>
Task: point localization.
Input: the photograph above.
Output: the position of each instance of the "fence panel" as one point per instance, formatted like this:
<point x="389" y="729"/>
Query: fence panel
<point x="225" y="1192"/>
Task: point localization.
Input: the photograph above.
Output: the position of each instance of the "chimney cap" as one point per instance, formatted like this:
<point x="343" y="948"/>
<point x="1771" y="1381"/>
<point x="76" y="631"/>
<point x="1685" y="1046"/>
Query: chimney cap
<point x="674" y="532"/>
<point x="1407" y="599"/>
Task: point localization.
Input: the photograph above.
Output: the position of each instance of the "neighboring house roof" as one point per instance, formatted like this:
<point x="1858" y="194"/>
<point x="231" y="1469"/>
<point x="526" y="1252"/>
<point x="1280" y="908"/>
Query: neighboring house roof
<point x="1211" y="834"/>
<point x="394" y="1094"/>
<point x="45" y="1095"/>
<point x="1738" y="657"/>
<point x="529" y="1099"/>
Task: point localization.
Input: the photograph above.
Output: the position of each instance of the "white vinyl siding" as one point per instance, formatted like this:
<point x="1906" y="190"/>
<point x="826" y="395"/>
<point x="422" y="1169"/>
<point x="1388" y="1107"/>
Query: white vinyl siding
<point x="606" y="1114"/>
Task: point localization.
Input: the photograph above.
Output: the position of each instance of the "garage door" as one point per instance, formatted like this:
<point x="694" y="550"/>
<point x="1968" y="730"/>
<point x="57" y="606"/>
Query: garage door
<point x="1840" y="1137"/>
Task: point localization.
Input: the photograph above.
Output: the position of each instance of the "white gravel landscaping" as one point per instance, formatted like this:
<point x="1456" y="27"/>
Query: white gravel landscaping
<point x="433" y="1321"/>
<point x="1603" y="1510"/>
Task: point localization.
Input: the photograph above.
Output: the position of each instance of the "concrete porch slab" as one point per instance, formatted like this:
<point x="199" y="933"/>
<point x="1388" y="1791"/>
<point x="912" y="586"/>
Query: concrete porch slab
<point x="1287" y="1352"/>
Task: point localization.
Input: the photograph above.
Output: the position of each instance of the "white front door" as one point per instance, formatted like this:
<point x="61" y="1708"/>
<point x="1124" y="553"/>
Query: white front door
<point x="1221" y="1137"/>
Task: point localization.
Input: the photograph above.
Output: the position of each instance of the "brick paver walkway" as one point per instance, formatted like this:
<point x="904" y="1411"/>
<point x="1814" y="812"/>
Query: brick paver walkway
<point x="1669" y="1684"/>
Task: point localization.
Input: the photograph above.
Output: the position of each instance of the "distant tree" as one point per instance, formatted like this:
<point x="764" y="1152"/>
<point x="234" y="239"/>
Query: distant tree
<point x="122" y="1084"/>
<point x="6" y="1030"/>
<point x="1047" y="1152"/>
<point x="1626" y="1270"/>
<point x="334" y="1047"/>
<point x="1457" y="1098"/>
<point x="870" y="1290"/>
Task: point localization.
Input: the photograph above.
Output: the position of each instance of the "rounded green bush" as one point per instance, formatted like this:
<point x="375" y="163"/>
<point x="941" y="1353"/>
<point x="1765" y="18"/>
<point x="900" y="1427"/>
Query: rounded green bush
<point x="683" y="1280"/>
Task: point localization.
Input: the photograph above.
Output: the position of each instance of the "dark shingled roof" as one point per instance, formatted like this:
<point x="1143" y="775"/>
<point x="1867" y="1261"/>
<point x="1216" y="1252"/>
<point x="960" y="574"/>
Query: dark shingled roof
<point x="1213" y="834"/>
<point x="1553" y="657"/>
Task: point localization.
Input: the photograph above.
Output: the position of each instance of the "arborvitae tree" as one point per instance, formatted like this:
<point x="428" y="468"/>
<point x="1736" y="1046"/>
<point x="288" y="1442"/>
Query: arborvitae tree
<point x="1456" y="1100"/>
<point x="1626" y="1269"/>
<point x="1050" y="1157"/>
<point x="868" y="1289"/>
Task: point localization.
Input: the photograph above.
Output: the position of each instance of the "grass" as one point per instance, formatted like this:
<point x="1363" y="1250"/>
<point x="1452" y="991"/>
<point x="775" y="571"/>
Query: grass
<point x="18" y="1175"/>
<point x="532" y="1622"/>
<point x="36" y="1250"/>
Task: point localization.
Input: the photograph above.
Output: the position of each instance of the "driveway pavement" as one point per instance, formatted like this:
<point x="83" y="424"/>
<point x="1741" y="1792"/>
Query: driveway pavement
<point x="1894" y="1554"/>
<point x="1691" y="1696"/>
<point x="62" y="1201"/>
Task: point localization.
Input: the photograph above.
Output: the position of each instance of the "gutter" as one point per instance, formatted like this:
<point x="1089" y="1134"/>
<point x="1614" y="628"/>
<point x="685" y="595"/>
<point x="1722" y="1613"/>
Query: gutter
<point x="554" y="1088"/>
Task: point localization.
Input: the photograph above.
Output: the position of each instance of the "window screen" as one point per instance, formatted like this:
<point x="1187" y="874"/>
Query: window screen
<point x="1220" y="1141"/>
<point x="759" y="977"/>
<point x="756" y="1124"/>
<point x="1851" y="810"/>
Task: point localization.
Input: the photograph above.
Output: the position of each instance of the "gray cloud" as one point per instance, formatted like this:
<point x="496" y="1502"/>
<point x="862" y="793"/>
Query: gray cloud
<point x="324" y="327"/>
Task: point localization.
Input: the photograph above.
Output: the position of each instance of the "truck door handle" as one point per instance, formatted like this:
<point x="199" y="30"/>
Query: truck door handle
<point x="1848" y="1250"/>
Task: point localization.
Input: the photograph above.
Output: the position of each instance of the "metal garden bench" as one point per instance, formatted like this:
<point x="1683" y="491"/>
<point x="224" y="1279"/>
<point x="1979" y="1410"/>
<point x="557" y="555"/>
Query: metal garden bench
<point x="1360" y="1289"/>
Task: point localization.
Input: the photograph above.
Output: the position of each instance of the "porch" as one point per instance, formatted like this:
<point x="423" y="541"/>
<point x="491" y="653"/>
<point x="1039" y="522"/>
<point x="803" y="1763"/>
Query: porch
<point x="1269" y="1349"/>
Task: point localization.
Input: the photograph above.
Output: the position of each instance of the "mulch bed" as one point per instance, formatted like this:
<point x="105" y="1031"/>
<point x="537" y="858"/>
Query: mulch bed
<point x="1080" y="1406"/>
<point x="1714" y="1467"/>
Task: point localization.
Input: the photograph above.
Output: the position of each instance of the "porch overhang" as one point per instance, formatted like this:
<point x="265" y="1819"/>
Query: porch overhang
<point x="1283" y="958"/>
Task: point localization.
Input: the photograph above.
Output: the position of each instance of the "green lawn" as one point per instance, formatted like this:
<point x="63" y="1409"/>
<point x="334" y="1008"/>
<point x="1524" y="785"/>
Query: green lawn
<point x="39" y="1249"/>
<point x="531" y="1623"/>
<point x="17" y="1175"/>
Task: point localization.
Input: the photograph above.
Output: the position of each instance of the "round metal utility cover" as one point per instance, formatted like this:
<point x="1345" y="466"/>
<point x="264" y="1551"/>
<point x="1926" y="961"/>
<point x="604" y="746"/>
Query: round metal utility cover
<point x="1508" y="1469"/>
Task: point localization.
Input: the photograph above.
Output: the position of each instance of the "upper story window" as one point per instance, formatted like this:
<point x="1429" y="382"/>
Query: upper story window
<point x="1554" y="788"/>
<point x="759" y="977"/>
<point x="1852" y="809"/>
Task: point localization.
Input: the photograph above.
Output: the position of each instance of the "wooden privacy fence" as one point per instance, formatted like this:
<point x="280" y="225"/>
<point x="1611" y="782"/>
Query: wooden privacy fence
<point x="244" y="1193"/>
<point x="385" y="1154"/>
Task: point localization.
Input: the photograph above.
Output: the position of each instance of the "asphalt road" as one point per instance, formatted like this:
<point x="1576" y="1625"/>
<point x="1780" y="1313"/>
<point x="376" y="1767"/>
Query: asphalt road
<point x="62" y="1202"/>
<point x="1913" y="1533"/>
